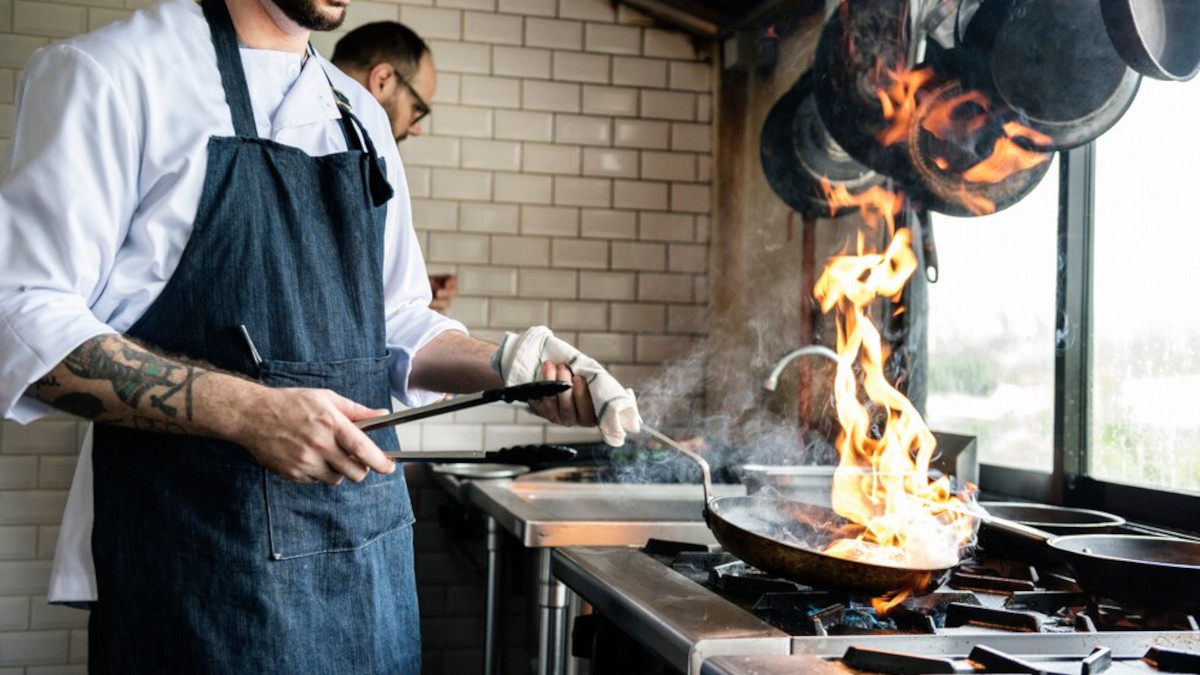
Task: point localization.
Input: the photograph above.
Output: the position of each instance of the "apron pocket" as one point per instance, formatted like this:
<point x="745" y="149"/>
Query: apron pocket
<point x="308" y="520"/>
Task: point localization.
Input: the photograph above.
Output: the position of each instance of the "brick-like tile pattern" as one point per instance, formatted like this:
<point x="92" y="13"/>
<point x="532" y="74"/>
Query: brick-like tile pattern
<point x="565" y="177"/>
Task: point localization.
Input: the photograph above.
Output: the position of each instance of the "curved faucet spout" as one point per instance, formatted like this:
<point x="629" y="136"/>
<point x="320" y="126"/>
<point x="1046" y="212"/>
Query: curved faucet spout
<point x="772" y="380"/>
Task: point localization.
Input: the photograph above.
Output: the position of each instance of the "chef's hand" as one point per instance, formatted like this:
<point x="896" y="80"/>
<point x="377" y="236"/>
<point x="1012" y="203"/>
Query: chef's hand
<point x="308" y="435"/>
<point x="570" y="408"/>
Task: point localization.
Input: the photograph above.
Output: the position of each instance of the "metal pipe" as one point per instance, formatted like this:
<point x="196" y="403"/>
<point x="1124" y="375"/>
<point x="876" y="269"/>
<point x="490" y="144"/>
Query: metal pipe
<point x="552" y="603"/>
<point x="490" y="619"/>
<point x="772" y="380"/>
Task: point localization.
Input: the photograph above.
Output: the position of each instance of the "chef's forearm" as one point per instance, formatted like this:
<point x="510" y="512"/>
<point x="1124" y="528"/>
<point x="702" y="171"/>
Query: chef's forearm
<point x="456" y="363"/>
<point x="115" y="380"/>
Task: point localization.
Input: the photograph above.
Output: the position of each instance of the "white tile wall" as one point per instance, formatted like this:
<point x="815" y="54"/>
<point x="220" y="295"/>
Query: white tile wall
<point x="564" y="177"/>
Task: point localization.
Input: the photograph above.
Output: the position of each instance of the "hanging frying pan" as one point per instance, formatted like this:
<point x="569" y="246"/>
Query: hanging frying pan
<point x="1157" y="38"/>
<point x="1048" y="62"/>
<point x="797" y="152"/>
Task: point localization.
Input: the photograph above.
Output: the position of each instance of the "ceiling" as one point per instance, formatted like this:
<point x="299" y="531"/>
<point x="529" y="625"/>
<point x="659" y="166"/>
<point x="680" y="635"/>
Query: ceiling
<point x="705" y="17"/>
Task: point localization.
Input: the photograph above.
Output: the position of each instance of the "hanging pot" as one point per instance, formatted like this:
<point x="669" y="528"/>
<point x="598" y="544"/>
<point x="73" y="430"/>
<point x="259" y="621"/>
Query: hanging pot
<point x="1157" y="38"/>
<point x="1047" y="61"/>
<point x="797" y="152"/>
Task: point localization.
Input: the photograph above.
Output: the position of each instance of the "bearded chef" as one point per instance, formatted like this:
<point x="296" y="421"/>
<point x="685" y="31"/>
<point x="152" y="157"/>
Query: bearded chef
<point x="202" y="250"/>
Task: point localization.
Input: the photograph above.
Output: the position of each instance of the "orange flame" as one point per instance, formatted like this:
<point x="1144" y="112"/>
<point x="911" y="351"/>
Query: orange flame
<point x="882" y="480"/>
<point x="900" y="102"/>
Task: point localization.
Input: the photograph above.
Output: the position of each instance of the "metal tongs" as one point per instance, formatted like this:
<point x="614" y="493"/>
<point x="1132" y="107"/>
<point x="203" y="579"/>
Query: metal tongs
<point x="517" y="393"/>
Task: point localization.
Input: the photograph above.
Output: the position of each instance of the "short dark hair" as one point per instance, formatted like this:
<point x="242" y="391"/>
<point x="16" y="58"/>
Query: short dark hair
<point x="373" y="43"/>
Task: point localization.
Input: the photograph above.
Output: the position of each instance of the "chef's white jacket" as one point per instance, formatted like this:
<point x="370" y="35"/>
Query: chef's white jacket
<point x="103" y="181"/>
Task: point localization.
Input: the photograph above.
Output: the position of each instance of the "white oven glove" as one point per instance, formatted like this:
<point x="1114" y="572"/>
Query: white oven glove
<point x="519" y="360"/>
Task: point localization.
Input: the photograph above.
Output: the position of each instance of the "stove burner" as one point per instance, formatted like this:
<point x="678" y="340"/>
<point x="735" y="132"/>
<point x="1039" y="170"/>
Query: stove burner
<point x="879" y="661"/>
<point x="961" y="614"/>
<point x="1173" y="660"/>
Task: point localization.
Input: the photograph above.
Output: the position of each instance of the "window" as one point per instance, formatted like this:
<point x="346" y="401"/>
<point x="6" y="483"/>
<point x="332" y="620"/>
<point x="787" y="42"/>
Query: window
<point x="1143" y="418"/>
<point x="991" y="329"/>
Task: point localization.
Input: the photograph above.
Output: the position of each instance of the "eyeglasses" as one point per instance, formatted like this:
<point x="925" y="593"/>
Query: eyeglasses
<point x="423" y="108"/>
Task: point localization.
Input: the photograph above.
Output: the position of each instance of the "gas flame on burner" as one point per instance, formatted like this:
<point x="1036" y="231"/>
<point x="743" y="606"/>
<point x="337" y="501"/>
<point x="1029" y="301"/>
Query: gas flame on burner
<point x="882" y="480"/>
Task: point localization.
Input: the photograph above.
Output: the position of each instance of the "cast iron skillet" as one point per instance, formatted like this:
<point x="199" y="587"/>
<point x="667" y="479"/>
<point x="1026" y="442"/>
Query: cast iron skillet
<point x="1157" y="38"/>
<point x="797" y="152"/>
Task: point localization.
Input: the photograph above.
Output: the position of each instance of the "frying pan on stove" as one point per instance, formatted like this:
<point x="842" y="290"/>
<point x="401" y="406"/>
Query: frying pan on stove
<point x="1162" y="572"/>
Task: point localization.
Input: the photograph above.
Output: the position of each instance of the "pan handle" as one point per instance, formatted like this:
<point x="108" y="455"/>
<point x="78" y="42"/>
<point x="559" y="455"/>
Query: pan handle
<point x="705" y="472"/>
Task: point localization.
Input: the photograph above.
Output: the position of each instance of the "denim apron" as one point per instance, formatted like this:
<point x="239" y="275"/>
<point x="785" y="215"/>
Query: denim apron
<point x="205" y="561"/>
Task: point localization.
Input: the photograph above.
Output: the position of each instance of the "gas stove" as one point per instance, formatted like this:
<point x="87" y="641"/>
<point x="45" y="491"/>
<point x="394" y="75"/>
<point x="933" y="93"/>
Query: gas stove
<point x="683" y="608"/>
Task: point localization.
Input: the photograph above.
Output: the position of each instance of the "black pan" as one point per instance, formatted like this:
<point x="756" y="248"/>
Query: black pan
<point x="1157" y="38"/>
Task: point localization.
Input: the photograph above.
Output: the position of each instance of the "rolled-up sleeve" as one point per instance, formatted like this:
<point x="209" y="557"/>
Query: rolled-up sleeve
<point x="66" y="197"/>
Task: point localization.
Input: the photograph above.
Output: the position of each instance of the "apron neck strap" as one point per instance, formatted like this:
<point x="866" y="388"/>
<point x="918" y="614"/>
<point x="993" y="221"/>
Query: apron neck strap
<point x="229" y="62"/>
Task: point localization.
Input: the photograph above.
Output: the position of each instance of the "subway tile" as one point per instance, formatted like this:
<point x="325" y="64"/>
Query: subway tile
<point x="32" y="507"/>
<point x="7" y="120"/>
<point x="668" y="44"/>
<point x="660" y="226"/>
<point x="461" y="57"/>
<point x="52" y="435"/>
<point x="668" y="166"/>
<point x="419" y="179"/>
<point x="455" y="436"/>
<point x="470" y="311"/>
<point x="688" y="319"/>
<point x="359" y="14"/>
<point x="434" y="214"/>
<point x="45" y="615"/>
<point x="462" y="184"/>
<point x="638" y="72"/>
<point x="571" y="191"/>
<point x="578" y="253"/>
<point x="583" y="130"/>
<point x="494" y="28"/>
<point x="665" y="288"/>
<point x="15" y="50"/>
<point x="51" y="20"/>
<point x="568" y="435"/>
<point x="691" y="137"/>
<point x="704" y="168"/>
<point x="639" y="256"/>
<point x="492" y="413"/>
<point x="588" y="10"/>
<point x="447" y="89"/>
<point x="535" y="7"/>
<point x="32" y="647"/>
<point x="498" y="92"/>
<point x="669" y="105"/>
<point x="607" y="347"/>
<point x="613" y="39"/>
<point x="431" y="150"/>
<point x="553" y="34"/>
<point x="24" y="576"/>
<point x="555" y="221"/>
<point x="524" y="189"/>
<point x="495" y="155"/>
<point x="7" y="86"/>
<point x="579" y="315"/>
<point x="521" y="252"/>
<point x="610" y="162"/>
<point x="691" y="75"/>
<point x="549" y="283"/>
<point x="494" y="218"/>
<point x="520" y="314"/>
<point x="481" y="5"/>
<point x="488" y="281"/>
<point x="638" y="318"/>
<point x="433" y="24"/>
<point x="616" y="101"/>
<point x="6" y="27"/>
<point x="609" y="224"/>
<point x="447" y="247"/>
<point x="460" y="121"/>
<point x="524" y="126"/>
<point x="691" y="198"/>
<point x="645" y="134"/>
<point x="659" y="348"/>
<point x="702" y="289"/>
<point x="55" y="471"/>
<point x="687" y="258"/>
<point x="521" y="62"/>
<point x="607" y="286"/>
<point x="704" y="108"/>
<point x="632" y="17"/>
<point x="508" y="435"/>
<point x="409" y="435"/>
<point x="14" y="613"/>
<point x="581" y="67"/>
<point x="640" y="195"/>
<point x="18" y="472"/>
<point x="552" y="96"/>
<point x="18" y="541"/>
<point x="547" y="158"/>
<point x="703" y="229"/>
<point x="99" y="17"/>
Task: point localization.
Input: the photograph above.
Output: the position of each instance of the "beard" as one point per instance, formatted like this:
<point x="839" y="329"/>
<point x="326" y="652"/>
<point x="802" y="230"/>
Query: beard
<point x="307" y="14"/>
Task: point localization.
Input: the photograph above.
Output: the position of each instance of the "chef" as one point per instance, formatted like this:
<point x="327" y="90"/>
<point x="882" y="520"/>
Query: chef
<point x="203" y="250"/>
